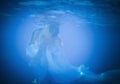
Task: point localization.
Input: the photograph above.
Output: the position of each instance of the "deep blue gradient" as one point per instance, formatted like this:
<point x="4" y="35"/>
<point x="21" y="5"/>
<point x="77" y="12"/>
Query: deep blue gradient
<point x="90" y="33"/>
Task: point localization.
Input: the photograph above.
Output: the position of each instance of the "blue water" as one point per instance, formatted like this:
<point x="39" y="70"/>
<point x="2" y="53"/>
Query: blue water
<point x="89" y="34"/>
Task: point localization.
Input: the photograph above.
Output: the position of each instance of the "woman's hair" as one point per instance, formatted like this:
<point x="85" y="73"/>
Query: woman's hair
<point x="54" y="28"/>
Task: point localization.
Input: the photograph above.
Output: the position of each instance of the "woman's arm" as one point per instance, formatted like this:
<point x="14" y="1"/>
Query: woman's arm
<point x="33" y="47"/>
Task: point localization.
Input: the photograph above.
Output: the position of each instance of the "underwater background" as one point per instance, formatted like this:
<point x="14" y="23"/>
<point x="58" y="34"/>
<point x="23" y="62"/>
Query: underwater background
<point x="90" y="33"/>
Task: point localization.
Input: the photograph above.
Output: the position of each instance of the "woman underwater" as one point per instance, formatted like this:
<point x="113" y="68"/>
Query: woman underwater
<point x="45" y="51"/>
